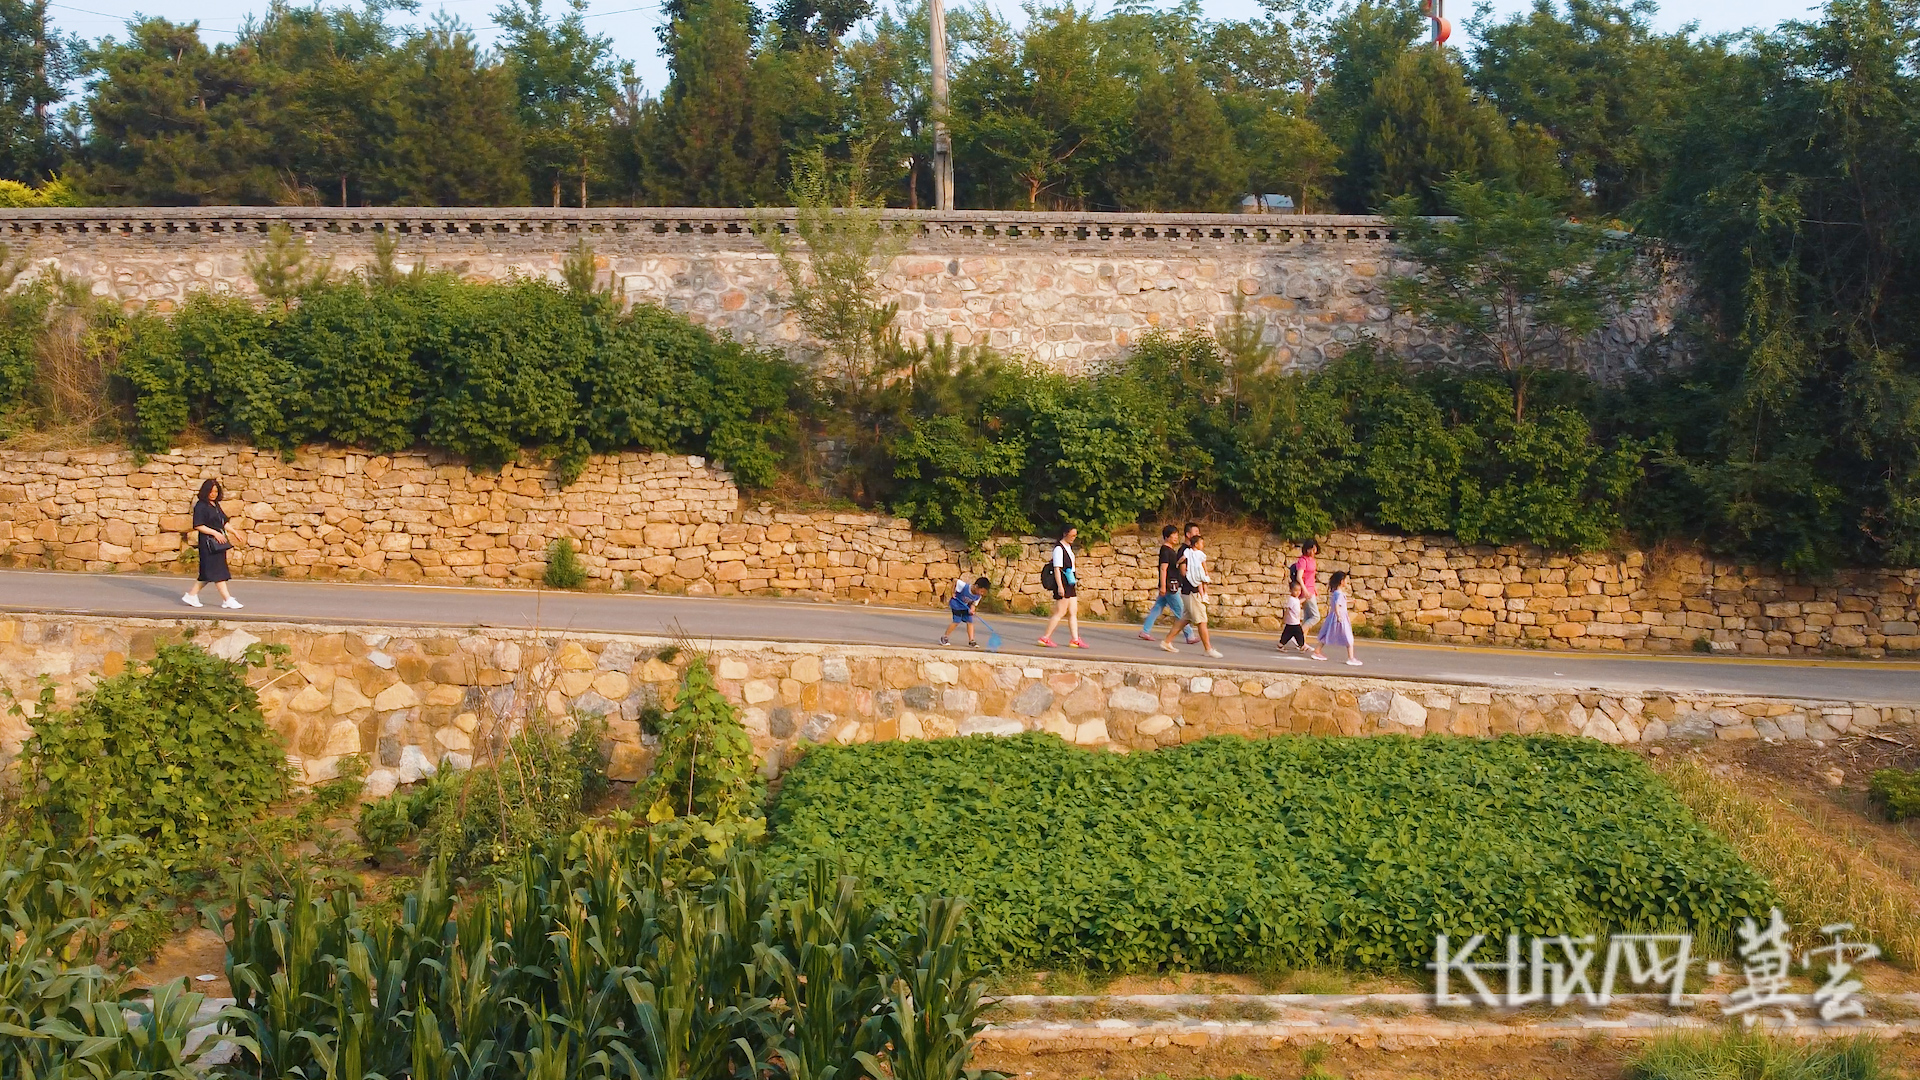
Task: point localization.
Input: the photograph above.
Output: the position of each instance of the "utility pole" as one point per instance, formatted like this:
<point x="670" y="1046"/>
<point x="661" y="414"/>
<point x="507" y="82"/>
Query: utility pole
<point x="1442" y="29"/>
<point x="942" y="139"/>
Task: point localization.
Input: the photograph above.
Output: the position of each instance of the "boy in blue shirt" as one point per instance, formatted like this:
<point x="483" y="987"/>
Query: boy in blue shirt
<point x="965" y="598"/>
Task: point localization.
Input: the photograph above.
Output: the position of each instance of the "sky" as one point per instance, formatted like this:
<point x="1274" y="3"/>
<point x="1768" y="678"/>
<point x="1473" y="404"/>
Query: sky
<point x="632" y="23"/>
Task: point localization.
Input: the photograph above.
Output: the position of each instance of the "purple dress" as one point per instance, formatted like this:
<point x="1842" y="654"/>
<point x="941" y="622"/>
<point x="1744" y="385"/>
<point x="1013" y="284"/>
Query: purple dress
<point x="1337" y="627"/>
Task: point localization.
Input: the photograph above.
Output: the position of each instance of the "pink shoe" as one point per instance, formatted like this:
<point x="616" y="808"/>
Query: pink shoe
<point x="1144" y="636"/>
<point x="1077" y="643"/>
<point x="1047" y="643"/>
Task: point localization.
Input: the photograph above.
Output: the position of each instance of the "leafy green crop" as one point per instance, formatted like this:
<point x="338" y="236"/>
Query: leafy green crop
<point x="1286" y="852"/>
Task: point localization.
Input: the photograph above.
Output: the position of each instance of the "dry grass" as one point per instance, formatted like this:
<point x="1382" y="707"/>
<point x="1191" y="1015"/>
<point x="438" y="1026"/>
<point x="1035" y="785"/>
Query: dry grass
<point x="1822" y="869"/>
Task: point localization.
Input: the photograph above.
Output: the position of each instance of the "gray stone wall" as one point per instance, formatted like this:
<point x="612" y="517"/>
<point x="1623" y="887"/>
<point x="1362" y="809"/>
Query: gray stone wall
<point x="1065" y="290"/>
<point x="415" y="699"/>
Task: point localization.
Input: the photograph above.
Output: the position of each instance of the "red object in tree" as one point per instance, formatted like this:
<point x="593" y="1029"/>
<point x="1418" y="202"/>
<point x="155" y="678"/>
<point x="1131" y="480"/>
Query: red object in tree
<point x="1442" y="30"/>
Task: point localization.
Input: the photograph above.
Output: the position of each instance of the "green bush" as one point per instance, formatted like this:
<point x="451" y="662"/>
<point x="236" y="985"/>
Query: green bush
<point x="481" y="370"/>
<point x="1896" y="792"/>
<point x="1290" y="852"/>
<point x="564" y="569"/>
<point x="174" y="751"/>
<point x="704" y="767"/>
<point x="540" y="787"/>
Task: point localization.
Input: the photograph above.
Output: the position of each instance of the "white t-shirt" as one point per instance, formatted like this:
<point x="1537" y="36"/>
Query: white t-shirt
<point x="1292" y="606"/>
<point x="1196" y="567"/>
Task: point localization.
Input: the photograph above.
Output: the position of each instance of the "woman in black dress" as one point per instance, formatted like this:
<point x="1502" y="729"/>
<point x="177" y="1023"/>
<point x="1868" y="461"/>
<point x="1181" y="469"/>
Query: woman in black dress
<point x="210" y="529"/>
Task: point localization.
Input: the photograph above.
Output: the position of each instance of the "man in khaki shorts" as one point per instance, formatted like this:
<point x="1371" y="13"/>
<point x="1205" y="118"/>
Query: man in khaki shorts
<point x="1193" y="597"/>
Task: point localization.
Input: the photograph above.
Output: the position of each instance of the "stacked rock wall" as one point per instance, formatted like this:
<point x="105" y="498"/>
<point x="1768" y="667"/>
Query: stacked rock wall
<point x="1065" y="290"/>
<point x="677" y="524"/>
<point x="413" y="700"/>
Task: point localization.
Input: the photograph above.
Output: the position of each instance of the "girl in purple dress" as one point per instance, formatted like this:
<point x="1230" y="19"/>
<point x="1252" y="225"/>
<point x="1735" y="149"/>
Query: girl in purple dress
<point x="1337" y="628"/>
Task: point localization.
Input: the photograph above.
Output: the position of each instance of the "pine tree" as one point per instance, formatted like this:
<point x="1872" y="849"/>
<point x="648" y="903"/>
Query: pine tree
<point x="35" y="63"/>
<point x="1422" y="127"/>
<point x="177" y="124"/>
<point x="456" y="134"/>
<point x="564" y="79"/>
<point x="706" y="148"/>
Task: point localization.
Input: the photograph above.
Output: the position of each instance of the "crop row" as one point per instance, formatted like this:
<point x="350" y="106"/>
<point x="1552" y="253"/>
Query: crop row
<point x="1230" y="854"/>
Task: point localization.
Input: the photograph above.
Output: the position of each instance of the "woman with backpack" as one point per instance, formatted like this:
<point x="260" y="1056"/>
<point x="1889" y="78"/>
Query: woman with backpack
<point x="1058" y="577"/>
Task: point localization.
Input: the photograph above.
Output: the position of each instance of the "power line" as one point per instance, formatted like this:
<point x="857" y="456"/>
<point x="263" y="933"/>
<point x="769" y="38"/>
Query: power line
<point x="123" y="18"/>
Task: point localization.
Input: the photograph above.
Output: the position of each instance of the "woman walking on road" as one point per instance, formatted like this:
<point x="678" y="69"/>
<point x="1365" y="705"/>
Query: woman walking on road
<point x="210" y="529"/>
<point x="1337" y="629"/>
<point x="1061" y="580"/>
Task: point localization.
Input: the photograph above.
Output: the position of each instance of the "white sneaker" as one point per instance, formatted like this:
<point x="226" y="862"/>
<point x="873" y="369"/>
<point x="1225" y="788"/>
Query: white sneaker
<point x="1353" y="663"/>
<point x="1168" y="645"/>
<point x="230" y="602"/>
<point x="191" y="600"/>
<point x="1216" y="654"/>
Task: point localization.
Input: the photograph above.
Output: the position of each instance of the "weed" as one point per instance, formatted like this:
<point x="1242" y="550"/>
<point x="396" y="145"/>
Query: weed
<point x="564" y="569"/>
<point x="1896" y="792"/>
<point x="1756" y="1055"/>
<point x="1703" y="644"/>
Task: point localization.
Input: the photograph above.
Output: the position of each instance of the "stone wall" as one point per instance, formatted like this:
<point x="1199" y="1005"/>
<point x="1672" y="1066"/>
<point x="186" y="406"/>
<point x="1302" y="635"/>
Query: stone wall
<point x="676" y="524"/>
<point x="1066" y="290"/>
<point x="414" y="700"/>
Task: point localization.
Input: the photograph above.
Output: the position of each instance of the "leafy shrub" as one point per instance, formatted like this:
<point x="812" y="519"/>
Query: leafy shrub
<point x="539" y="788"/>
<point x="1288" y="852"/>
<point x="600" y="948"/>
<point x="704" y="767"/>
<point x="1896" y="792"/>
<point x="392" y="361"/>
<point x="174" y="751"/>
<point x="564" y="569"/>
<point x="22" y="313"/>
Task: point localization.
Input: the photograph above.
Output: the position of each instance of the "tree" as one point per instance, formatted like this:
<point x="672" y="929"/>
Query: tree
<point x="1516" y="284"/>
<point x="35" y="65"/>
<point x="564" y="81"/>
<point x="1362" y="43"/>
<point x="329" y="73"/>
<point x="709" y="144"/>
<point x="1037" y="117"/>
<point x="1183" y="154"/>
<point x="1794" y="189"/>
<point x="1286" y="152"/>
<point x="177" y="124"/>
<point x="1421" y="127"/>
<point x="457" y="137"/>
<point x="1601" y="82"/>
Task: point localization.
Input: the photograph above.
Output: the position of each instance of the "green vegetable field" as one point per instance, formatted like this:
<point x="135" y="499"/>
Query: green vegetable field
<point x="1229" y="854"/>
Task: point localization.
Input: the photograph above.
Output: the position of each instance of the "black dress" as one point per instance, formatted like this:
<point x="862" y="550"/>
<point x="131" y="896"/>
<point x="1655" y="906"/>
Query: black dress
<point x="213" y="559"/>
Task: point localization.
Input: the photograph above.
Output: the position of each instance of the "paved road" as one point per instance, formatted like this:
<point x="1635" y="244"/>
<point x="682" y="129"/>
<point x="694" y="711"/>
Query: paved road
<point x="788" y="620"/>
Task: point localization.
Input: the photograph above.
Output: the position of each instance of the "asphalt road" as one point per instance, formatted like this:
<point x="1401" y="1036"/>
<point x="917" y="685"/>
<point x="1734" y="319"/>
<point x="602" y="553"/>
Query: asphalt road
<point x="146" y="595"/>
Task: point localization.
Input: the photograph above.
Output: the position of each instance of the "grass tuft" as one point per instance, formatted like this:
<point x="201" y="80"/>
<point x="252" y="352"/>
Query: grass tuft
<point x="1756" y="1055"/>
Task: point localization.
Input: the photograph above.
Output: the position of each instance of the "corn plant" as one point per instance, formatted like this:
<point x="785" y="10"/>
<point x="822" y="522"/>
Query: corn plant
<point x="617" y="954"/>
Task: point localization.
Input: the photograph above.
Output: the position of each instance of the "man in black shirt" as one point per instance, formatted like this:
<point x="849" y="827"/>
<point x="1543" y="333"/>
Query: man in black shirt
<point x="1167" y="588"/>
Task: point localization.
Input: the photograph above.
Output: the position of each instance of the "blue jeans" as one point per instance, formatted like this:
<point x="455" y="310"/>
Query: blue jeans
<point x="1169" y="603"/>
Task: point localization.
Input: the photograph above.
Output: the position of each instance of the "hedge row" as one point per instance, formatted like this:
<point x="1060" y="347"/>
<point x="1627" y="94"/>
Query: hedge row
<point x="1230" y="854"/>
<point x="481" y="370"/>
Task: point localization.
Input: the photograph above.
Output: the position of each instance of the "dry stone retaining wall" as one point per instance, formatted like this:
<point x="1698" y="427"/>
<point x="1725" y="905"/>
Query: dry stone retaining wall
<point x="1066" y="290"/>
<point x="415" y="700"/>
<point x="677" y="524"/>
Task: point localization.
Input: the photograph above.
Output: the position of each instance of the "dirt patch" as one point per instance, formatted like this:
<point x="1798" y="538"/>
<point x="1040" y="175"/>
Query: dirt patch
<point x="1572" y="1059"/>
<point x="197" y="952"/>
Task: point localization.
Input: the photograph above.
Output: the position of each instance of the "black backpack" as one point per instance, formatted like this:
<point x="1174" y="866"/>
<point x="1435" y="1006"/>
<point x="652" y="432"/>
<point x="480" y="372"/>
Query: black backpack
<point x="1050" y="577"/>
